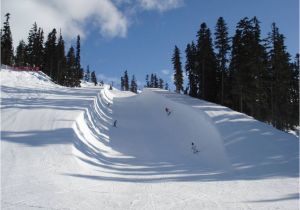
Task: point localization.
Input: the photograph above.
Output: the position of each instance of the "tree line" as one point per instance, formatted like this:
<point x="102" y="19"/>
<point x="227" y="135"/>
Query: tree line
<point x="125" y="86"/>
<point x="246" y="72"/>
<point x="49" y="54"/>
<point x="91" y="76"/>
<point x="153" y="81"/>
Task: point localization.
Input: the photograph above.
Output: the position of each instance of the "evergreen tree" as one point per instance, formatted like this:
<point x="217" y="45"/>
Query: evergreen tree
<point x="190" y="68"/>
<point x="35" y="49"/>
<point x="31" y="54"/>
<point x="294" y="98"/>
<point x="206" y="71"/>
<point x="222" y="46"/>
<point x="61" y="62"/>
<point x="147" y="81"/>
<point x="122" y="83"/>
<point x="79" y="70"/>
<point x="260" y="87"/>
<point x="7" y="53"/>
<point x="71" y="68"/>
<point x="155" y="81"/>
<point x="178" y="77"/>
<point x="152" y="80"/>
<point x="248" y="70"/>
<point x="87" y="74"/>
<point x="20" y="59"/>
<point x="50" y="56"/>
<point x="160" y="83"/>
<point x="133" y="85"/>
<point x="281" y="76"/>
<point x="126" y="81"/>
<point x="94" y="78"/>
<point x="78" y="66"/>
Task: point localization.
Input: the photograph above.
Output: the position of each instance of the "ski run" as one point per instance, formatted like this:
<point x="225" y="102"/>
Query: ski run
<point x="95" y="148"/>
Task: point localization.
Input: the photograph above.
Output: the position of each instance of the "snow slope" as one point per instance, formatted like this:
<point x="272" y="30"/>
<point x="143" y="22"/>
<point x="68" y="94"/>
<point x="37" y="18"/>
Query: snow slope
<point x="59" y="150"/>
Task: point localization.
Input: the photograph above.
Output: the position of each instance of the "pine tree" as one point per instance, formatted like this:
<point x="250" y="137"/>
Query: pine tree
<point x="94" y="78"/>
<point x="50" y="56"/>
<point x="122" y="83"/>
<point x="71" y="68"/>
<point x="35" y="49"/>
<point x="206" y="71"/>
<point x="190" y="68"/>
<point x="248" y="69"/>
<point x="152" y="81"/>
<point x="78" y="66"/>
<point x="222" y="46"/>
<point x="178" y="77"/>
<point x="79" y="70"/>
<point x="61" y="61"/>
<point x="160" y="83"/>
<point x="281" y="76"/>
<point x="260" y="86"/>
<point x="147" y="81"/>
<point x="133" y="85"/>
<point x="20" y="59"/>
<point x="294" y="118"/>
<point x="155" y="81"/>
<point x="126" y="81"/>
<point x="7" y="53"/>
<point x="31" y="45"/>
<point x="87" y="74"/>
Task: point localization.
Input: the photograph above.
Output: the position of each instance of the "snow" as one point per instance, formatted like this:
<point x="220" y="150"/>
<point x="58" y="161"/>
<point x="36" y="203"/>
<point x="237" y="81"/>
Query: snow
<point x="59" y="150"/>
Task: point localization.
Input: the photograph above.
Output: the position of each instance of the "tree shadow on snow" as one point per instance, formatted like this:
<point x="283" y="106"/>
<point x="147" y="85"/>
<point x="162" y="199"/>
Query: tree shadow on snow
<point x="255" y="150"/>
<point x="270" y="153"/>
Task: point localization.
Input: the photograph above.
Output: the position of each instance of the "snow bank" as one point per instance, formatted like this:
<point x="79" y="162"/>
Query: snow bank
<point x="25" y="78"/>
<point x="60" y="151"/>
<point x="254" y="149"/>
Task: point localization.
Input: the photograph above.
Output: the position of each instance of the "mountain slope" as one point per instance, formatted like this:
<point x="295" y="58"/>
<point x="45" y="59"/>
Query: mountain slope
<point x="60" y="151"/>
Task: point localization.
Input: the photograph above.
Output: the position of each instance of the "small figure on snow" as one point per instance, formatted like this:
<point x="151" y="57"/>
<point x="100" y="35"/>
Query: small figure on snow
<point x="168" y="111"/>
<point x="194" y="148"/>
<point x="115" y="123"/>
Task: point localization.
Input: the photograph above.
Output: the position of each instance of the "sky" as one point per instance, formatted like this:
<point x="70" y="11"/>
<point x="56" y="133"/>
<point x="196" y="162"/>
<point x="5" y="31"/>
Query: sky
<point x="139" y="35"/>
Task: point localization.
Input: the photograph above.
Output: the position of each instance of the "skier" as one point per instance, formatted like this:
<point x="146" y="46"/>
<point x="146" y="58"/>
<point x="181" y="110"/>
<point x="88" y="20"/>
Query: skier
<point x="168" y="111"/>
<point x="194" y="148"/>
<point x="115" y="123"/>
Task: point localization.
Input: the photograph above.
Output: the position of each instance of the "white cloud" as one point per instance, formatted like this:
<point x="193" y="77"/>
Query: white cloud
<point x="110" y="17"/>
<point x="161" y="5"/>
<point x="68" y="15"/>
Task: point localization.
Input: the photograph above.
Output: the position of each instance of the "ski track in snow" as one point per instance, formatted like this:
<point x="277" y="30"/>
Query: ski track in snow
<point x="60" y="151"/>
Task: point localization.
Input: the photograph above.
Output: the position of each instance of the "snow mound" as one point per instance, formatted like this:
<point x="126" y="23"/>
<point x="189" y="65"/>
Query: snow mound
<point x="25" y="78"/>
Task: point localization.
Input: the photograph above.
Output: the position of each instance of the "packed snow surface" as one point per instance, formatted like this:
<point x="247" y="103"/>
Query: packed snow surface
<point x="60" y="150"/>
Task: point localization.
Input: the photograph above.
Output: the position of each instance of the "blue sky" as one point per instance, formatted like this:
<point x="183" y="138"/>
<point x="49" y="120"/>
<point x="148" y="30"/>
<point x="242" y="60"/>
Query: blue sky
<point x="140" y="35"/>
<point x="149" y="43"/>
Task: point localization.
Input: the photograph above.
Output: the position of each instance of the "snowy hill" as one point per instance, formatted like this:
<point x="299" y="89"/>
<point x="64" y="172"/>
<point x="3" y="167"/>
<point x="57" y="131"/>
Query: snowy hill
<point x="60" y="151"/>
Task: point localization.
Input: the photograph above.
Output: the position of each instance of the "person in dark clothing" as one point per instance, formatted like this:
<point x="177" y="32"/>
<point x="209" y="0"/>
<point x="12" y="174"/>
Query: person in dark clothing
<point x="194" y="148"/>
<point x="168" y="111"/>
<point x="115" y="123"/>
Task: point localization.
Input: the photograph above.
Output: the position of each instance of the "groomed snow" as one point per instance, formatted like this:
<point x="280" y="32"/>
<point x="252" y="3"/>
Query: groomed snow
<point x="59" y="150"/>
